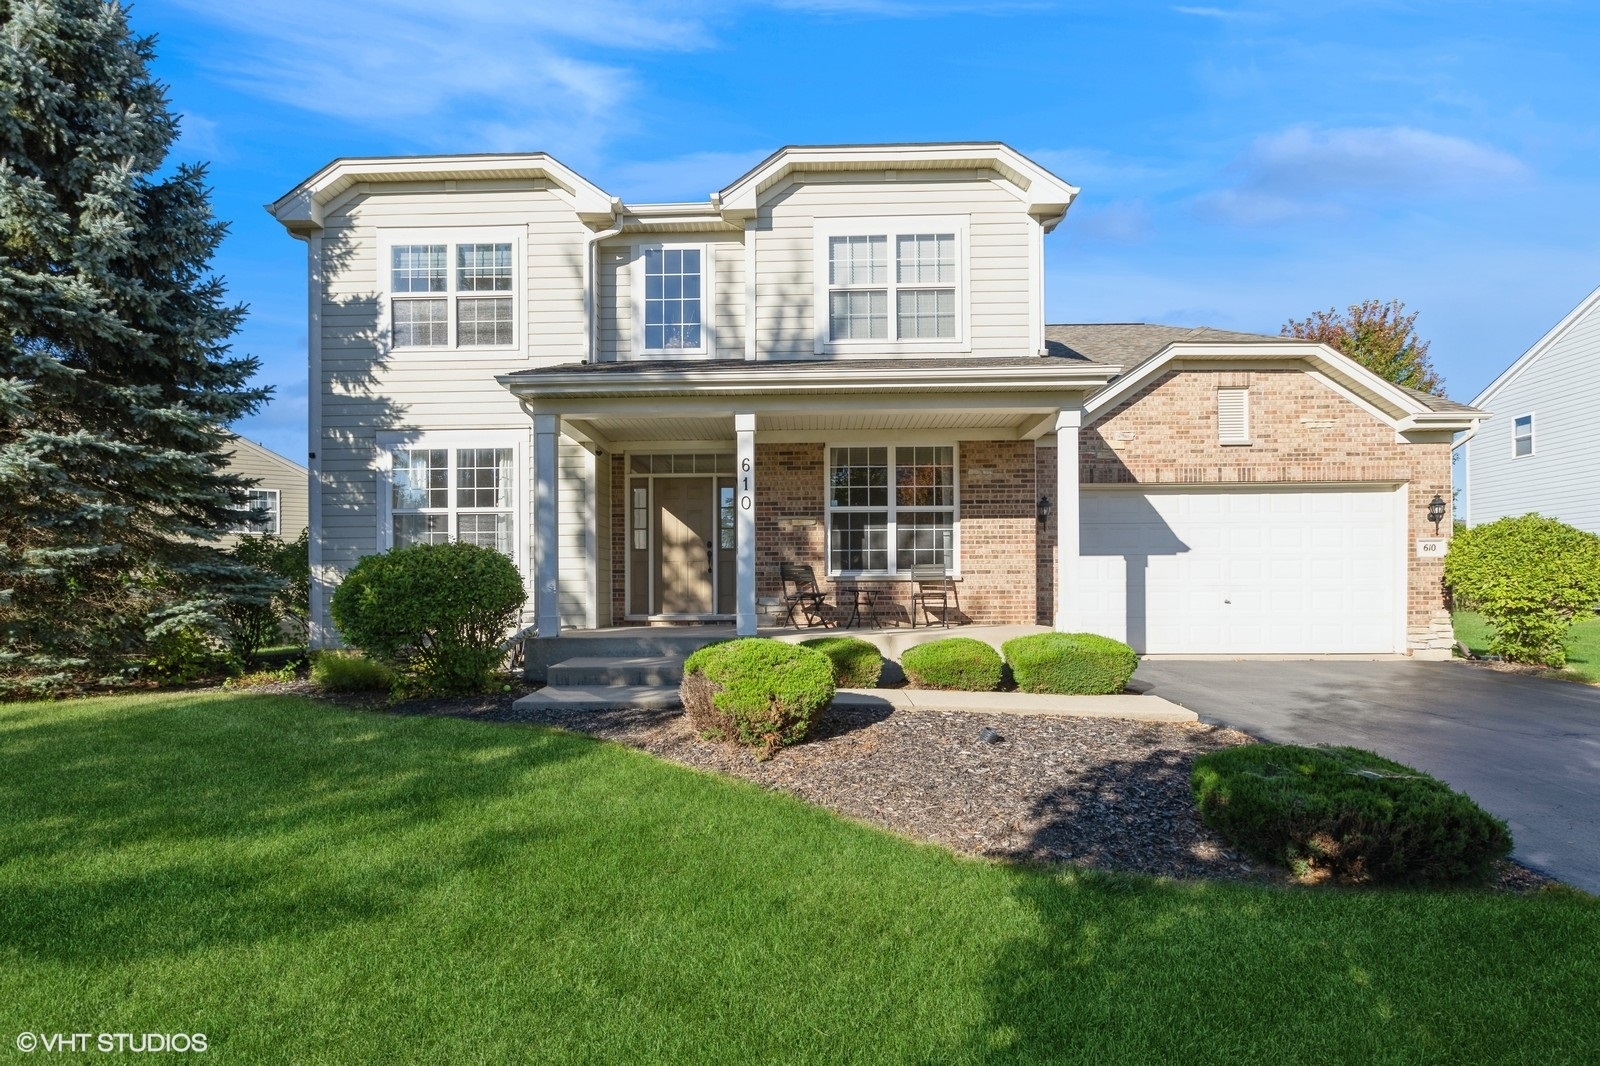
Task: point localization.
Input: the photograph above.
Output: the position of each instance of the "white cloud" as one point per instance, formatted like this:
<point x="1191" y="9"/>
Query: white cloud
<point x="1307" y="172"/>
<point x="1214" y="13"/>
<point x="467" y="75"/>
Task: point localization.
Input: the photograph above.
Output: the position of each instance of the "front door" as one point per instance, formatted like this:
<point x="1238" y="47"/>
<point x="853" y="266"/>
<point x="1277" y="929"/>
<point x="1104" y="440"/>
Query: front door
<point x="685" y="544"/>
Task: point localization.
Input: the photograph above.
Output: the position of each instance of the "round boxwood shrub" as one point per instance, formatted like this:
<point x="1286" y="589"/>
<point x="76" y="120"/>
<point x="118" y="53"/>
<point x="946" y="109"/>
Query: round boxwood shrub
<point x="958" y="663"/>
<point x="762" y="693"/>
<point x="437" y="613"/>
<point x="1070" y="663"/>
<point x="856" y="663"/>
<point x="1348" y="813"/>
<point x="1530" y="576"/>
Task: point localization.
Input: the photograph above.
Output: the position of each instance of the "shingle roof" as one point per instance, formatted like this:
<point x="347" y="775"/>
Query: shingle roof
<point x="1120" y="344"/>
<point x="1129" y="344"/>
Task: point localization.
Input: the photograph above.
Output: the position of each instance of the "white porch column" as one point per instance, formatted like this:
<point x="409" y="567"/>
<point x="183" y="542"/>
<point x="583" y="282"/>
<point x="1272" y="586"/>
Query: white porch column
<point x="546" y="528"/>
<point x="1067" y="423"/>
<point x="744" y="430"/>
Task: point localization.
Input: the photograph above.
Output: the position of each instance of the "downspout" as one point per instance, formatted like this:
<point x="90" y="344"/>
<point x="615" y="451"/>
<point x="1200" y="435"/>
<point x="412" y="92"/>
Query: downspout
<point x="591" y="282"/>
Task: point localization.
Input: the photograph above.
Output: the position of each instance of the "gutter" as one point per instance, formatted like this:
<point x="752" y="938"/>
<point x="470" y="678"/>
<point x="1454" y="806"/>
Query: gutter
<point x="591" y="282"/>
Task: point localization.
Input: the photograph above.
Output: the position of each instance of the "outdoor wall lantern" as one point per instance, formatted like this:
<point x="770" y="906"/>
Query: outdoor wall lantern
<point x="1436" y="512"/>
<point x="1044" y="510"/>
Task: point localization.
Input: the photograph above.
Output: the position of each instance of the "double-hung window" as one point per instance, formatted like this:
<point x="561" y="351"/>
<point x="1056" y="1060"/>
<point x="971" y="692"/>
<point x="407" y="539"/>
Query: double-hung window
<point x="461" y="493"/>
<point x="1522" y="436"/>
<point x="452" y="294"/>
<point x="263" y="504"/>
<point x="671" y="300"/>
<point x="891" y="510"/>
<point x="891" y="283"/>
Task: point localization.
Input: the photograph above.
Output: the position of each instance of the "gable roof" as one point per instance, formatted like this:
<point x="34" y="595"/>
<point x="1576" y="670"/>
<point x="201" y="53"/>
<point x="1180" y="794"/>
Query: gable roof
<point x="267" y="455"/>
<point x="1133" y="344"/>
<point x="1542" y="345"/>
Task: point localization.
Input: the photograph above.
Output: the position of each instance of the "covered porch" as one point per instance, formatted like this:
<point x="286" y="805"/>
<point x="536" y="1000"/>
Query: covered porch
<point x="708" y="476"/>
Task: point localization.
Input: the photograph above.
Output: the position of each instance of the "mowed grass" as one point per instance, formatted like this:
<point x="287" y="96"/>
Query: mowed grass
<point x="303" y="883"/>
<point x="1583" y="643"/>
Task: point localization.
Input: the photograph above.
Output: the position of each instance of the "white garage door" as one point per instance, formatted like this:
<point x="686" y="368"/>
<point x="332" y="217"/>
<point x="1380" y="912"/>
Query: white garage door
<point x="1231" y="571"/>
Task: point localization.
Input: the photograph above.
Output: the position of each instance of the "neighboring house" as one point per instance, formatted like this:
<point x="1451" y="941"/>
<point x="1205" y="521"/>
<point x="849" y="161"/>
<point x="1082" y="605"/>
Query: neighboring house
<point x="281" y="492"/>
<point x="1537" y="451"/>
<point x="839" y="359"/>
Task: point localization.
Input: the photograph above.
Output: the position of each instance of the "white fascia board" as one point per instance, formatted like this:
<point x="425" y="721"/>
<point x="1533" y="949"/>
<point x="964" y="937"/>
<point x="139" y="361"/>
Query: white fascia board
<point x="302" y="204"/>
<point x="839" y="376"/>
<point x="1046" y="195"/>
<point x="1334" y="367"/>
<point x="1542" y="345"/>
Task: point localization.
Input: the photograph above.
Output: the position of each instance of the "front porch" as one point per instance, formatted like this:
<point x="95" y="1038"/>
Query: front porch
<point x="708" y="477"/>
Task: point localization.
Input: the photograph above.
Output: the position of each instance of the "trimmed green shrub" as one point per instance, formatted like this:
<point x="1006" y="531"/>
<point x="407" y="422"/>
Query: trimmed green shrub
<point x="343" y="671"/>
<point x="1348" y="813"/>
<point x="437" y="613"/>
<point x="759" y="692"/>
<point x="1070" y="663"/>
<point x="1528" y="576"/>
<point x="959" y="663"/>
<point x="856" y="663"/>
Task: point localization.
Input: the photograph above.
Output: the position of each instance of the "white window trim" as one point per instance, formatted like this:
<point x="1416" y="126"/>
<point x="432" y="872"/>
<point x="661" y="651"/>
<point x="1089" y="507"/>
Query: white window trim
<point x="894" y="548"/>
<point x="708" y="327"/>
<point x="1222" y="438"/>
<point x="517" y="440"/>
<point x="389" y="238"/>
<point x="891" y="226"/>
<point x="277" y="515"/>
<point x="1533" y="436"/>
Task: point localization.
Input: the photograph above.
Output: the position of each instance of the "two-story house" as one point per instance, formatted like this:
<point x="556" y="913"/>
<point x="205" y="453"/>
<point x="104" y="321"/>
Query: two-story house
<point x="1537" y="451"/>
<point x="840" y="359"/>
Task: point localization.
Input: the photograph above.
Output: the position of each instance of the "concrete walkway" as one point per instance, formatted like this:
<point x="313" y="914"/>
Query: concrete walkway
<point x="1135" y="708"/>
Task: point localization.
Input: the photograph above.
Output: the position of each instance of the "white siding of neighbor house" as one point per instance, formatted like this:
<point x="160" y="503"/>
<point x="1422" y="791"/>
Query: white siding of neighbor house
<point x="272" y="471"/>
<point x="1560" y="387"/>
<point x="615" y="270"/>
<point x="1000" y="237"/>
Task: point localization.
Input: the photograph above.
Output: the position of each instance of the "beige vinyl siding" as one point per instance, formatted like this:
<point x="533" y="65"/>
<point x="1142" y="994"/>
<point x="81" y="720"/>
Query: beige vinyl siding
<point x="615" y="267"/>
<point x="366" y="390"/>
<point x="999" y="242"/>
<point x="272" y="471"/>
<point x="1560" y="388"/>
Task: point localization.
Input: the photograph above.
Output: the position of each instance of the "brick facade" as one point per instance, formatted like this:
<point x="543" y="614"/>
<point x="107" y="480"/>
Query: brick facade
<point x="1301" y="431"/>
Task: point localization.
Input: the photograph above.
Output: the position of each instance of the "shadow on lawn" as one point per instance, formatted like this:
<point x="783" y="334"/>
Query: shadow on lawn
<point x="147" y="815"/>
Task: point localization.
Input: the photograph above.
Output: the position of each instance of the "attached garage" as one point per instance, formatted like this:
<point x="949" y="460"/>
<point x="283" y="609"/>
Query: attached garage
<point x="1240" y="570"/>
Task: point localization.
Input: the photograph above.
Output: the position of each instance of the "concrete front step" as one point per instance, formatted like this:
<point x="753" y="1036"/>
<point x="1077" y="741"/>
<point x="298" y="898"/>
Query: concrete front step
<point x="575" y="698"/>
<point x="592" y="670"/>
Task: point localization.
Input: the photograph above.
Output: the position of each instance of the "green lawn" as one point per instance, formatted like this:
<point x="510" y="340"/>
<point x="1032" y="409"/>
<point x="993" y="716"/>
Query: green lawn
<point x="307" y="884"/>
<point x="1583" y="643"/>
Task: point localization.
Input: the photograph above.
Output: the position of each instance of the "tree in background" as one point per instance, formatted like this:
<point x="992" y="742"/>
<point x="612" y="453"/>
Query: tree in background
<point x="1380" y="336"/>
<point x="115" y="374"/>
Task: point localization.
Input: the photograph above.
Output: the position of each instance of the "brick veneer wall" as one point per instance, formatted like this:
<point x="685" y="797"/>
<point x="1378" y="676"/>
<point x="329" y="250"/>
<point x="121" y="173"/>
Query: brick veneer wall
<point x="1301" y="431"/>
<point x="997" y="526"/>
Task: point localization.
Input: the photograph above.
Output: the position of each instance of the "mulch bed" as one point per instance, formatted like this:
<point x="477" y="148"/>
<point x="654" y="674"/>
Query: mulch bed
<point x="1089" y="792"/>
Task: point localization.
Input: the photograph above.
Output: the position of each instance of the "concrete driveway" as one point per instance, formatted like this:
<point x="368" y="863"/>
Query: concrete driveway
<point x="1527" y="749"/>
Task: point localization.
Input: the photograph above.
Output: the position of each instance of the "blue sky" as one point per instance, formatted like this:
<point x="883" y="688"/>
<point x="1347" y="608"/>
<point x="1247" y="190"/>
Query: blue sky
<point x="1240" y="164"/>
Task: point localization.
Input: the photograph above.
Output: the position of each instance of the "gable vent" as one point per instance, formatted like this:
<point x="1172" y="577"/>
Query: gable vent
<point x="1233" y="416"/>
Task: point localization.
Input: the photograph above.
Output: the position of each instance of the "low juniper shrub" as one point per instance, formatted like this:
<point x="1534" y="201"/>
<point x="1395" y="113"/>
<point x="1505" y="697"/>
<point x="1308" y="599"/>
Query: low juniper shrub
<point x="761" y="693"/>
<point x="1346" y="813"/>
<point x="1070" y="663"/>
<point x="958" y="663"/>
<point x="856" y="663"/>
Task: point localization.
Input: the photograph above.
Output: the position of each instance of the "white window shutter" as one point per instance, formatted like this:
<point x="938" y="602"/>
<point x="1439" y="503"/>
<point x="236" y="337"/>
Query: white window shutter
<point x="1233" y="416"/>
